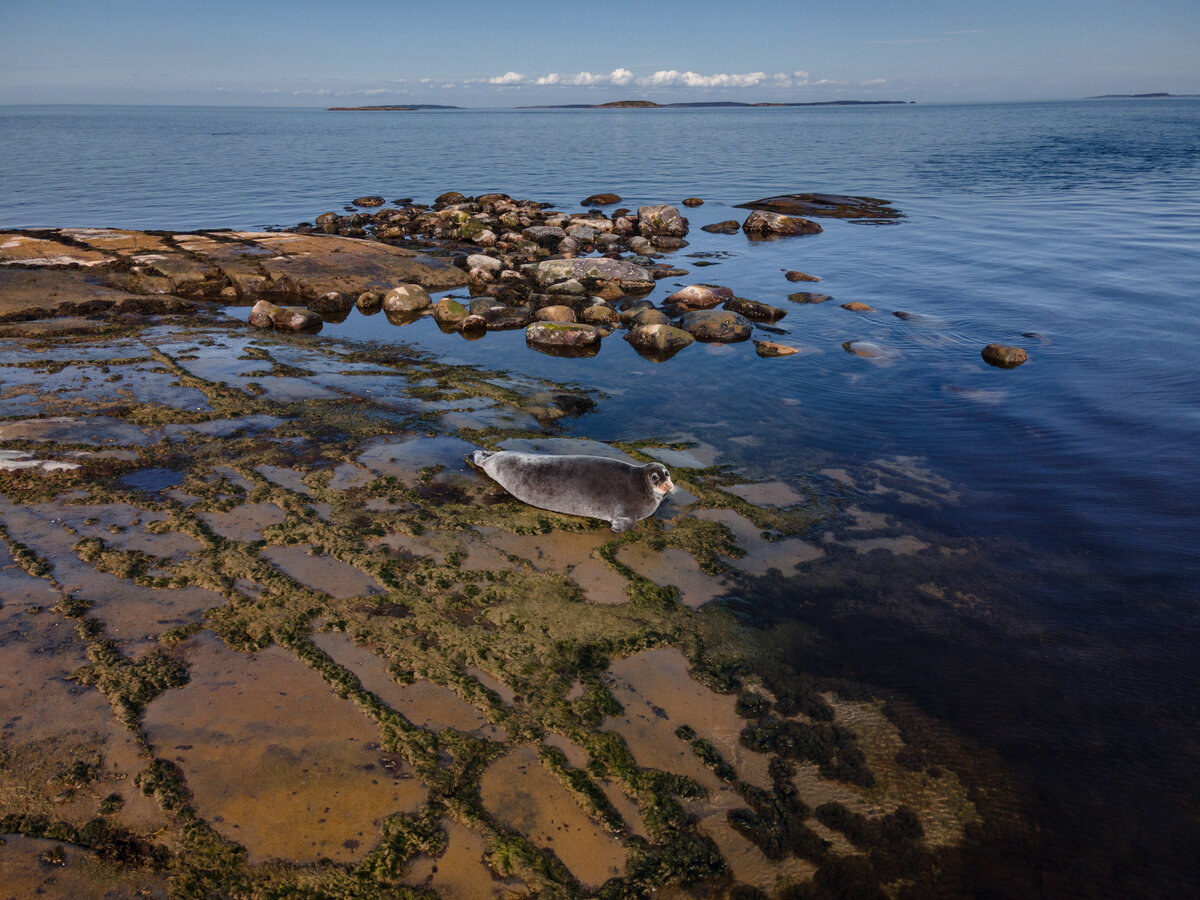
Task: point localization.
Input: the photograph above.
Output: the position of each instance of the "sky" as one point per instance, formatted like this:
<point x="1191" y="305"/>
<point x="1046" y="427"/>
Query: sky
<point x="497" y="54"/>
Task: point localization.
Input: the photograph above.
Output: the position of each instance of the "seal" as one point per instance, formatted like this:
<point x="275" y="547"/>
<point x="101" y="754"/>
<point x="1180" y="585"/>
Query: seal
<point x="594" y="486"/>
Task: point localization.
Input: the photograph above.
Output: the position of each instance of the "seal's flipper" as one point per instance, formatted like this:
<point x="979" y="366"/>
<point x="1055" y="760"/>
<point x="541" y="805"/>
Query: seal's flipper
<point x="623" y="523"/>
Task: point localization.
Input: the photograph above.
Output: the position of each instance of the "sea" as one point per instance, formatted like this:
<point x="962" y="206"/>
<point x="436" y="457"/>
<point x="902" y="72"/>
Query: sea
<point x="1037" y="609"/>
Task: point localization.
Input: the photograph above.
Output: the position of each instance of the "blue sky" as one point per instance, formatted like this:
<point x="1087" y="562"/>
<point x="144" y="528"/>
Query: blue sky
<point x="498" y="54"/>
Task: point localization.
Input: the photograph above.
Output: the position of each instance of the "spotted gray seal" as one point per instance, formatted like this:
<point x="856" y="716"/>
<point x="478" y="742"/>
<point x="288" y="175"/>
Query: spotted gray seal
<point x="594" y="486"/>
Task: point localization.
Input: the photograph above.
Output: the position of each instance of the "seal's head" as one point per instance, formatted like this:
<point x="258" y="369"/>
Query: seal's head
<point x="659" y="479"/>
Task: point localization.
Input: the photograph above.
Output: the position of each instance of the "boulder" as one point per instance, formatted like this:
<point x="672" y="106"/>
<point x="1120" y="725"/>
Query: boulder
<point x="262" y="315"/>
<point x="716" y="326"/>
<point x="549" y="236"/>
<point x="600" y="200"/>
<point x="595" y="271"/>
<point x="484" y="263"/>
<point x="794" y="275"/>
<point x="283" y="318"/>
<point x="661" y="220"/>
<point x="755" y="311"/>
<point x="855" y="306"/>
<point x="1003" y="356"/>
<point x="763" y="224"/>
<point x="646" y="315"/>
<point x="373" y="200"/>
<point x="406" y="298"/>
<point x="504" y="318"/>
<point x="693" y="201"/>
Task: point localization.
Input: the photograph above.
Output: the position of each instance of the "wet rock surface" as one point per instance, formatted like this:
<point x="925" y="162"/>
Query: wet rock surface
<point x="861" y="209"/>
<point x="273" y="636"/>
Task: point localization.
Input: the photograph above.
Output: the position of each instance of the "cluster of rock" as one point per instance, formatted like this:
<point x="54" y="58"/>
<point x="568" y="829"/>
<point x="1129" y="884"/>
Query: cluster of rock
<point x="568" y="279"/>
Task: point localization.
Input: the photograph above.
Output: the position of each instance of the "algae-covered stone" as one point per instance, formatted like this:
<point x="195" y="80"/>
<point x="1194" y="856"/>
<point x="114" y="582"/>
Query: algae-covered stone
<point x="659" y="338"/>
<point x="562" y="334"/>
<point x="448" y="311"/>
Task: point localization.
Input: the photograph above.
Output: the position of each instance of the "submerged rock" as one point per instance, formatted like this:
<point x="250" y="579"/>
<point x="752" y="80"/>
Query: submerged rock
<point x="755" y="311"/>
<point x="659" y="338"/>
<point x="600" y="200"/>
<point x="808" y="297"/>
<point x="1003" y="356"/>
<point x="729" y="226"/>
<point x="795" y="275"/>
<point x="838" y="206"/>
<point x="771" y="349"/>
<point x="855" y="306"/>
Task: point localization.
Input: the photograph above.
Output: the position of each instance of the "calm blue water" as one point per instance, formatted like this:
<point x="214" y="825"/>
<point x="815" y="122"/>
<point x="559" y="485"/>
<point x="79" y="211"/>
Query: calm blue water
<point x="1071" y="229"/>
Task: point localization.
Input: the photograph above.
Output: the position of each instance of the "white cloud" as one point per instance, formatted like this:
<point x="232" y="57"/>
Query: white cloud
<point x="673" y="78"/>
<point x="506" y="78"/>
<point x="874" y="81"/>
<point x="618" y="77"/>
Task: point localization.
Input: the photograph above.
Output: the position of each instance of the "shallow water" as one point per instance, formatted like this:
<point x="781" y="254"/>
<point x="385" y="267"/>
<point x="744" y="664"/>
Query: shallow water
<point x="1065" y="640"/>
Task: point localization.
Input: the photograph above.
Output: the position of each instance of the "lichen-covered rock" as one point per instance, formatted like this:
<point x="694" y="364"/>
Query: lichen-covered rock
<point x="754" y="310"/>
<point x="562" y="334"/>
<point x="716" y="326"/>
<point x="333" y="303"/>
<point x="593" y="271"/>
<point x="663" y="219"/>
<point x="763" y="224"/>
<point x="262" y="315"/>
<point x="601" y="314"/>
<point x="406" y="298"/>
<point x="1003" y="356"/>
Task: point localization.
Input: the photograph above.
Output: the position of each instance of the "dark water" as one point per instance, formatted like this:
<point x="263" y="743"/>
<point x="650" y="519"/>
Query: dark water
<point x="1070" y="671"/>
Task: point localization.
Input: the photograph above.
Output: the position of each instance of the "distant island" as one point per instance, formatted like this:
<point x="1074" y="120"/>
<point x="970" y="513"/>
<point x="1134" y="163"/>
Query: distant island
<point x="650" y="104"/>
<point x="389" y="108"/>
<point x="1156" y="96"/>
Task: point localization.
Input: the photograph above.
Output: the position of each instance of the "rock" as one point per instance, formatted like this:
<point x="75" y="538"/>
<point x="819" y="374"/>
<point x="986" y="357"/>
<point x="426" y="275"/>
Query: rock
<point x="641" y="245"/>
<point x="755" y="311"/>
<point x="450" y="198"/>
<point x="595" y="271"/>
<point x="771" y="348"/>
<point x="644" y="316"/>
<point x="600" y="200"/>
<point x="504" y="318"/>
<point x="485" y="238"/>
<point x="1003" y="356"/>
<point x="762" y="224"/>
<point x="369" y="302"/>
<point x="373" y="200"/>
<point x="554" y="314"/>
<point x="666" y="242"/>
<point x="405" y="299"/>
<point x="484" y="263"/>
<point x="263" y="314"/>
<point x="868" y="350"/>
<point x="793" y="275"/>
<point x="808" y="297"/>
<point x="329" y="218"/>
<point x="661" y="220"/>
<point x="448" y="311"/>
<point x="562" y="335"/>
<point x="659" y="338"/>
<point x="283" y="318"/>
<point x="716" y="326"/>
<point x="840" y="206"/>
<point x="855" y="306"/>
<point x="332" y="303"/>
<point x="729" y="226"/>
<point x="572" y="287"/>
<point x="693" y="201"/>
<point x="601" y="314"/>
<point x="694" y="296"/>
<point x="544" y="235"/>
